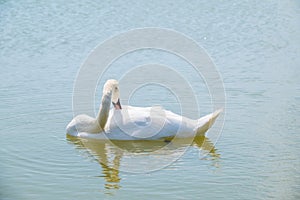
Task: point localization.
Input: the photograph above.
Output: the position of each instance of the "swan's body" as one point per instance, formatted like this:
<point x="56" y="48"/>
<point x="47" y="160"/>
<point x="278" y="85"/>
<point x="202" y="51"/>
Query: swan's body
<point x="136" y="123"/>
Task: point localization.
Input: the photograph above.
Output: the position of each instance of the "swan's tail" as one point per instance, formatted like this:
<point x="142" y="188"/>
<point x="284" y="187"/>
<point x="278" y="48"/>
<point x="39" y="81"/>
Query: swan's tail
<point x="204" y="123"/>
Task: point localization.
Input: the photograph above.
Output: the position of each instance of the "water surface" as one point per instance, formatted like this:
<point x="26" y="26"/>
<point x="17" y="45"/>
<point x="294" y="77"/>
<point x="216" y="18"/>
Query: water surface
<point x="255" y="46"/>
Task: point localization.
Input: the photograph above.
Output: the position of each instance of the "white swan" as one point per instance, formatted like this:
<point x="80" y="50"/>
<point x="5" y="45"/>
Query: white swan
<point x="135" y="123"/>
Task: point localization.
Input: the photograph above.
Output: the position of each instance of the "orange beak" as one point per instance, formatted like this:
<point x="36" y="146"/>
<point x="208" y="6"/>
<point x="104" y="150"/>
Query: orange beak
<point x="117" y="105"/>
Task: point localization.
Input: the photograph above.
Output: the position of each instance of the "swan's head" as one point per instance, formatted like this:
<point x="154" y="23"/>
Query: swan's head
<point x="112" y="87"/>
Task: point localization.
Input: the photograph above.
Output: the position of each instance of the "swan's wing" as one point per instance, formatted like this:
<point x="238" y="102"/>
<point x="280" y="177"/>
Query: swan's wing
<point x="144" y="123"/>
<point x="130" y="121"/>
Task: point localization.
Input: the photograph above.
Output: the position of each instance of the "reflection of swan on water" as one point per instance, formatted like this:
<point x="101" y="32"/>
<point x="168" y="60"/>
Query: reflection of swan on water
<point x="111" y="154"/>
<point x="208" y="147"/>
<point x="136" y="123"/>
<point x="99" y="149"/>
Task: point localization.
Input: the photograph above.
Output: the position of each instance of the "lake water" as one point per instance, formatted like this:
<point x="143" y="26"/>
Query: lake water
<point x="255" y="46"/>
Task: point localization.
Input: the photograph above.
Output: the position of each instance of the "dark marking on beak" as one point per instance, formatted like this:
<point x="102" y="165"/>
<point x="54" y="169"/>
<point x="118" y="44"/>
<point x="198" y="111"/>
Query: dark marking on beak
<point x="117" y="105"/>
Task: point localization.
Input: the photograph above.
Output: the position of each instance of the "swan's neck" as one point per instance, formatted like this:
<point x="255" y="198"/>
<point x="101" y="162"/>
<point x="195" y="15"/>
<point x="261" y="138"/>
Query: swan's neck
<point x="104" y="109"/>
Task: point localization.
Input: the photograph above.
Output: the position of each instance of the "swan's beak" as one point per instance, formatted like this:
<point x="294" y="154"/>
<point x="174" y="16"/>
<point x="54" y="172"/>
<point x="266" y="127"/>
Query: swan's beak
<point x="117" y="105"/>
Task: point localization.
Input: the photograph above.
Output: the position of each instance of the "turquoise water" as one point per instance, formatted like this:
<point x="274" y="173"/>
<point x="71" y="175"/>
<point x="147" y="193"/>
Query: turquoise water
<point x="255" y="46"/>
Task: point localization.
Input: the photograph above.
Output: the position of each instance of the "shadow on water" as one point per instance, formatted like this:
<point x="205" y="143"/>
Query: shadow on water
<point x="110" y="153"/>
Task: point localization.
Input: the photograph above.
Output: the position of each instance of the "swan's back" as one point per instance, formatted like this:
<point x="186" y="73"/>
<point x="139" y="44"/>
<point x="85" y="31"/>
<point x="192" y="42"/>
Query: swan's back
<point x="146" y="123"/>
